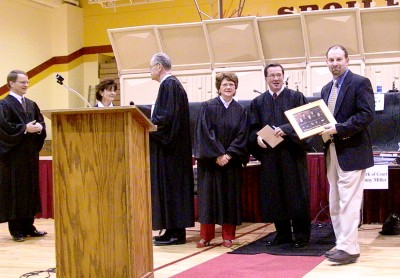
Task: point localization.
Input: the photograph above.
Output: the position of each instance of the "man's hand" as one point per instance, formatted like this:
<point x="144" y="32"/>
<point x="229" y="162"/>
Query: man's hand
<point x="330" y="129"/>
<point x="279" y="132"/>
<point x="261" y="142"/>
<point x="34" y="127"/>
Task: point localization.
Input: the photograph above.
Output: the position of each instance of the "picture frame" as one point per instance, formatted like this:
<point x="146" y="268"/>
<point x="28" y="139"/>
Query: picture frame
<point x="309" y="119"/>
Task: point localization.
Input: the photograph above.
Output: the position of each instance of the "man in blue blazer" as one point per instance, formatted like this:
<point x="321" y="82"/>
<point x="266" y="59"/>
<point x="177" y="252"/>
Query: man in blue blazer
<point x="348" y="150"/>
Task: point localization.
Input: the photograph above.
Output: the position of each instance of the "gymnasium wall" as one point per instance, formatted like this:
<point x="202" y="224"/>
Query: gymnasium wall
<point x="61" y="38"/>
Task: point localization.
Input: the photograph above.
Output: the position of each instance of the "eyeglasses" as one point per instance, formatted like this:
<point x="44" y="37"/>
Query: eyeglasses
<point x="152" y="66"/>
<point x="228" y="85"/>
<point x="273" y="76"/>
<point x="22" y="82"/>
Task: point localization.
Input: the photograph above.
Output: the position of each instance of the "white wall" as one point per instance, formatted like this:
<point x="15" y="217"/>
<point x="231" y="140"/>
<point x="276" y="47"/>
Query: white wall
<point x="140" y="89"/>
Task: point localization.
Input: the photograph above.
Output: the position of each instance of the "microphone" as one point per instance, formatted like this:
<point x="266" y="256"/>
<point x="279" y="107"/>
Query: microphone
<point x="297" y="85"/>
<point x="60" y="80"/>
<point x="287" y="81"/>
<point x="394" y="89"/>
<point x="258" y="92"/>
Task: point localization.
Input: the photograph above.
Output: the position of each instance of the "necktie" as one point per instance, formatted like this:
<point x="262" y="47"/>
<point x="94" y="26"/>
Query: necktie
<point x="333" y="97"/>
<point x="23" y="102"/>
<point x="274" y="95"/>
<point x="331" y="104"/>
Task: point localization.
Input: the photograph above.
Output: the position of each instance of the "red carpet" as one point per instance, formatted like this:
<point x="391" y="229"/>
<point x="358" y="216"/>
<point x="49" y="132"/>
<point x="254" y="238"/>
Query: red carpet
<point x="260" y="265"/>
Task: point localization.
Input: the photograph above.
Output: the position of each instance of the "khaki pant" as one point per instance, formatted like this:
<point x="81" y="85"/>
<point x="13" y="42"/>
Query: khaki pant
<point x="345" y="198"/>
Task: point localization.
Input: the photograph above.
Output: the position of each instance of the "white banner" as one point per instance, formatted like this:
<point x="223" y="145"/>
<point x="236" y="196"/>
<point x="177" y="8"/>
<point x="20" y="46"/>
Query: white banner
<point x="377" y="177"/>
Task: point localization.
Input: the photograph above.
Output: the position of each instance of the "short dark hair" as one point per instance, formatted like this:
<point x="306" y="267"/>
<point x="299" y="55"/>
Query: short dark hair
<point x="13" y="76"/>
<point x="346" y="54"/>
<point x="230" y="76"/>
<point x="273" y="66"/>
<point x="105" y="84"/>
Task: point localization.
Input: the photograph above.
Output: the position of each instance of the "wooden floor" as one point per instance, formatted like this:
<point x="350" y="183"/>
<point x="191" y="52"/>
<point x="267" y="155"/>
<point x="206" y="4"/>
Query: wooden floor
<point x="380" y="255"/>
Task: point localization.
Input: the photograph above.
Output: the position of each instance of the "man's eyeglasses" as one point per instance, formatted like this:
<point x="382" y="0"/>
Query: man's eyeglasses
<point x="22" y="82"/>
<point x="273" y="76"/>
<point x="152" y="66"/>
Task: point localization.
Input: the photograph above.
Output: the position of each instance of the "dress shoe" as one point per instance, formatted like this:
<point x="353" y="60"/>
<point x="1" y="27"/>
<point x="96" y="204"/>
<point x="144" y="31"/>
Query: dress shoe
<point x="203" y="243"/>
<point x="170" y="241"/>
<point x="300" y="242"/>
<point x="36" y="233"/>
<point x="278" y="241"/>
<point x="18" y="238"/>
<point x="171" y="233"/>
<point x="227" y="243"/>
<point x="163" y="237"/>
<point x="342" y="257"/>
<point x="329" y="253"/>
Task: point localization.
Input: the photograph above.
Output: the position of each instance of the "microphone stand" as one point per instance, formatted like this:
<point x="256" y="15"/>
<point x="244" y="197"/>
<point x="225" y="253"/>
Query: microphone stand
<point x="394" y="89"/>
<point x="60" y="80"/>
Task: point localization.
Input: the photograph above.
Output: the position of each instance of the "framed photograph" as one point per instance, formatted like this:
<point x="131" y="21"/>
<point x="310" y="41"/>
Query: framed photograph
<point x="309" y="119"/>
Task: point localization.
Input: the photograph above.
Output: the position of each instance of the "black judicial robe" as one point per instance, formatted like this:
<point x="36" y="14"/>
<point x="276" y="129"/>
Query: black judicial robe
<point x="284" y="190"/>
<point x="172" y="188"/>
<point x="219" y="131"/>
<point x="19" y="160"/>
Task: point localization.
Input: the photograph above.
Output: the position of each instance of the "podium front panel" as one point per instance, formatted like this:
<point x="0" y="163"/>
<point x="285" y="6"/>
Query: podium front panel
<point x="102" y="195"/>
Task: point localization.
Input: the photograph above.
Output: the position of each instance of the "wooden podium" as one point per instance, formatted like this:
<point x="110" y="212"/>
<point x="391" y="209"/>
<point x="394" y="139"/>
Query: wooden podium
<point x="102" y="205"/>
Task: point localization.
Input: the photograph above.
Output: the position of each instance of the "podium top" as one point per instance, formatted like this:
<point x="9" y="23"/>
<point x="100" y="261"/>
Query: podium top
<point x="136" y="112"/>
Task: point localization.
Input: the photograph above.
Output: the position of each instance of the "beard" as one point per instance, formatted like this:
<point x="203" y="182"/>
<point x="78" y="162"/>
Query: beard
<point x="337" y="71"/>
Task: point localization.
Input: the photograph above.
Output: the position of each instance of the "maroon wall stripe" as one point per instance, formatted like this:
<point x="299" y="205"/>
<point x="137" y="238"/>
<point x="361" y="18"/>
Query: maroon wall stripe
<point x="63" y="60"/>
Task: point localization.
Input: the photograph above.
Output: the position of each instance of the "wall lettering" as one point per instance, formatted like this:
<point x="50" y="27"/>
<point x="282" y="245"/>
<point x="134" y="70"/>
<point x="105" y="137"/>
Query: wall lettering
<point x="334" y="5"/>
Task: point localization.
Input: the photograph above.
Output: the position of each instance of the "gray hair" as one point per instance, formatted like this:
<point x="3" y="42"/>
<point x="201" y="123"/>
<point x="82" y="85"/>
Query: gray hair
<point x="163" y="59"/>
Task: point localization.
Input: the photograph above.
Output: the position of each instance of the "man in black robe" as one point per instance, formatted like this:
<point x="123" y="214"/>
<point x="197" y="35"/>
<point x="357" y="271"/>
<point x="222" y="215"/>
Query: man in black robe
<point x="22" y="134"/>
<point x="172" y="187"/>
<point x="284" y="189"/>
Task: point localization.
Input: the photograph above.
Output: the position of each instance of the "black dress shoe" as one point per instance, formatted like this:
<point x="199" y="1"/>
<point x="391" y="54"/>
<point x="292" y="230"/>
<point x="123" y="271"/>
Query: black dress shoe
<point x="170" y="233"/>
<point x="300" y="242"/>
<point x="170" y="241"/>
<point x="18" y="237"/>
<point x="36" y="233"/>
<point x="342" y="257"/>
<point x="163" y="237"/>
<point x="278" y="241"/>
<point x="329" y="253"/>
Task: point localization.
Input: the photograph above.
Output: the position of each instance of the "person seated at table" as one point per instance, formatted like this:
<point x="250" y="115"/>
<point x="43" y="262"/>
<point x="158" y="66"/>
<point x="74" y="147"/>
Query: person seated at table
<point x="221" y="133"/>
<point x="105" y="93"/>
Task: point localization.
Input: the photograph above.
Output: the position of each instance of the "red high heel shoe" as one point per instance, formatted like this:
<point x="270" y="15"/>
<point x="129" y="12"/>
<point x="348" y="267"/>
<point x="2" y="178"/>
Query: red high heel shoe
<point x="227" y="243"/>
<point x="202" y="243"/>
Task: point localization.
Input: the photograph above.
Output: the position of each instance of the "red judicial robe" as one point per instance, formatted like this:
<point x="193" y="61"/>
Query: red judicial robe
<point x="19" y="160"/>
<point x="219" y="131"/>
<point x="172" y="188"/>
